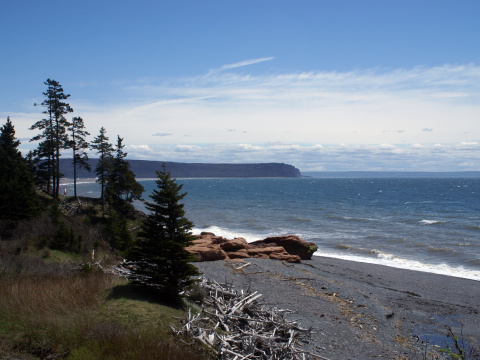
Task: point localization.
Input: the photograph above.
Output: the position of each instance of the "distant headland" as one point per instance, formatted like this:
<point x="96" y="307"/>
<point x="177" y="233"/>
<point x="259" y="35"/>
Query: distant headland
<point x="147" y="169"/>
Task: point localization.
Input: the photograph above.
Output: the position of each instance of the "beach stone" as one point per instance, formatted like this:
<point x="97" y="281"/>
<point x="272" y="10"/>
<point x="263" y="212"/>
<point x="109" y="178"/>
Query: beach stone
<point x="233" y="245"/>
<point x="272" y="252"/>
<point x="204" y="250"/>
<point x="293" y="244"/>
<point x="238" y="254"/>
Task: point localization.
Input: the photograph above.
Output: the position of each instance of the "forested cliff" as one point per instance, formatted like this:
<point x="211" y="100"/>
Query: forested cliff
<point x="146" y="169"/>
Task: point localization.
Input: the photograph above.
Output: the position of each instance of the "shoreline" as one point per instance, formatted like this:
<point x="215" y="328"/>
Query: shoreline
<point x="361" y="310"/>
<point x="440" y="269"/>
<point x="460" y="270"/>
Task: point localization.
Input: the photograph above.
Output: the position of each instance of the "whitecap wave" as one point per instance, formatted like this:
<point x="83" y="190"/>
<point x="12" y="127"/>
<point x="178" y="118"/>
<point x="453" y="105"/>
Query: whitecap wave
<point x="230" y="234"/>
<point x="432" y="222"/>
<point x="391" y="260"/>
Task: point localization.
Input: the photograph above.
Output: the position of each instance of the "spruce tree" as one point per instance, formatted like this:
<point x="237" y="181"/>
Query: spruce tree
<point x="78" y="144"/>
<point x="104" y="150"/>
<point x="159" y="253"/>
<point x="17" y="193"/>
<point x="121" y="188"/>
<point x="53" y="135"/>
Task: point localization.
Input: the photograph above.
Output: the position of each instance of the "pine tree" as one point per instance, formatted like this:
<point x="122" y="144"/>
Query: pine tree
<point x="78" y="144"/>
<point x="159" y="254"/>
<point x="104" y="149"/>
<point x="122" y="188"/>
<point x="53" y="135"/>
<point x="17" y="193"/>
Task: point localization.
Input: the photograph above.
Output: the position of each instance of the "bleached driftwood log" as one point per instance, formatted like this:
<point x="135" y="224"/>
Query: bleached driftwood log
<point x="237" y="326"/>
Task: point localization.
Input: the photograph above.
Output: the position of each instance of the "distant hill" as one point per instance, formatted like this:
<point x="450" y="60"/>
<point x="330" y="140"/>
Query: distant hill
<point x="147" y="169"/>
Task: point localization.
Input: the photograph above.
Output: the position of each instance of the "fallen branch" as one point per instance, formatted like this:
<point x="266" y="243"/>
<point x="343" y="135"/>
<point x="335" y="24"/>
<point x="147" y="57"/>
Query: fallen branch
<point x="253" y="331"/>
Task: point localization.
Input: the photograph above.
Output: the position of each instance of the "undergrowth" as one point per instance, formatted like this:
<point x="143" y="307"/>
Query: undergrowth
<point x="51" y="309"/>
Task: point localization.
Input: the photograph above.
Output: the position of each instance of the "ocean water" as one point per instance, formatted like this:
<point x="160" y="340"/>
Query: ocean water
<point x="427" y="224"/>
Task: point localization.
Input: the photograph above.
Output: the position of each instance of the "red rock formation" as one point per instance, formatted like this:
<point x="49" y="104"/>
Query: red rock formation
<point x="293" y="244"/>
<point x="208" y="247"/>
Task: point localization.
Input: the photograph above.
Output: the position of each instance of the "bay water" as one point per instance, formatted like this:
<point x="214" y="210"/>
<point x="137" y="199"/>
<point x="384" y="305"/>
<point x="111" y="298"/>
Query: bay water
<point x="424" y="224"/>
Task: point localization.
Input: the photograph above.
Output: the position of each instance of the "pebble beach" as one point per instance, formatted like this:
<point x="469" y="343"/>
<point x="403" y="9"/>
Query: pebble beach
<point x="360" y="310"/>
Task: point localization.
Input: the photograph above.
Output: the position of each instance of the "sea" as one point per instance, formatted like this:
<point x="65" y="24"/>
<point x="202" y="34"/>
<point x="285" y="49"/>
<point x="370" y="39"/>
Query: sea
<point x="424" y="224"/>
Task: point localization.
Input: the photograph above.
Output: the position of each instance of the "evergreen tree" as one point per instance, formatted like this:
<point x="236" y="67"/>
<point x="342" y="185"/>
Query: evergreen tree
<point x="53" y="135"/>
<point x="159" y="253"/>
<point x="104" y="150"/>
<point x="122" y="187"/>
<point x="78" y="144"/>
<point x="116" y="230"/>
<point x="17" y="193"/>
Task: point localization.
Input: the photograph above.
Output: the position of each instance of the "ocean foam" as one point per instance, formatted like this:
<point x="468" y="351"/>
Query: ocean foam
<point x="390" y="260"/>
<point x="432" y="222"/>
<point x="230" y="234"/>
<point x="378" y="258"/>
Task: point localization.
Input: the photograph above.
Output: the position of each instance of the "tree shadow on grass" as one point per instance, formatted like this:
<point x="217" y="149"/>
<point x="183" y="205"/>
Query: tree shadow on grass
<point x="143" y="293"/>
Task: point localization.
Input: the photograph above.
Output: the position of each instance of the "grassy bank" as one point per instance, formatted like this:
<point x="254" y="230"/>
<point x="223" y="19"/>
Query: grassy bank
<point x="52" y="308"/>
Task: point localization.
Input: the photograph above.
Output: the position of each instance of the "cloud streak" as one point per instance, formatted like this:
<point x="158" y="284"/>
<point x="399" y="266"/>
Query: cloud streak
<point x="240" y="64"/>
<point x="384" y="119"/>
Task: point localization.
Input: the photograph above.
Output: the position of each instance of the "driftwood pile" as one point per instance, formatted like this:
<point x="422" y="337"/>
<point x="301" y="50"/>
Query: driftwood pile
<point x="237" y="326"/>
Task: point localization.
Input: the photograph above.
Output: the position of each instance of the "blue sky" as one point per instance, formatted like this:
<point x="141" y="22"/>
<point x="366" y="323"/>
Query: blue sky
<point x="322" y="85"/>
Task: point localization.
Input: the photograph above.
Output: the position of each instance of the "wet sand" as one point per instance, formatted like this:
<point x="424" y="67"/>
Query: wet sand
<point x="362" y="311"/>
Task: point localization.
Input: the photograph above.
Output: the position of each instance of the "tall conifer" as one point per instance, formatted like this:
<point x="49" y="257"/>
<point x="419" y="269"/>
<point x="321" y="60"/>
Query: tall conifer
<point x="122" y="187"/>
<point x="53" y="135"/>
<point x="159" y="254"/>
<point x="104" y="149"/>
<point x="17" y="193"/>
<point x="78" y="144"/>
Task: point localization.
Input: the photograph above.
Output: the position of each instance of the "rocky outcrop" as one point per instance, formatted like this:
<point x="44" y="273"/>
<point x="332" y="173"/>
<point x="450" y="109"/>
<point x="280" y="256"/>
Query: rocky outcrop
<point x="292" y="244"/>
<point x="291" y="248"/>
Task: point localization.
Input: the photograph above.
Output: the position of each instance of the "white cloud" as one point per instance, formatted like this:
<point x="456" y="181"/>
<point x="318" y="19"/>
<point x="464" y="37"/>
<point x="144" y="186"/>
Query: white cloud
<point x="387" y="147"/>
<point x="381" y="119"/>
<point x="386" y="157"/>
<point x="239" y="64"/>
<point x="246" y="63"/>
<point x="138" y="147"/>
<point x="187" y="148"/>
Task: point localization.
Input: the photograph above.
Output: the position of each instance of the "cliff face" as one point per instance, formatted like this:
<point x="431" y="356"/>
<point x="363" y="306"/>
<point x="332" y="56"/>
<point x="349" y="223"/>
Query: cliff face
<point x="147" y="169"/>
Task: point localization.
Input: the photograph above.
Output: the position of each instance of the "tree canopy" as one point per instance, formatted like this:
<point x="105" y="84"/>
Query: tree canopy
<point x="17" y="193"/>
<point x="104" y="149"/>
<point x="53" y="136"/>
<point x="121" y="186"/>
<point x="78" y="144"/>
<point x="159" y="253"/>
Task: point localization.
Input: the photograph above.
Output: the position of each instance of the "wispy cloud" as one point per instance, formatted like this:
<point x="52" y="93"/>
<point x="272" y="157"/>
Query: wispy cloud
<point x="384" y="119"/>
<point x="246" y="62"/>
<point x="240" y="64"/>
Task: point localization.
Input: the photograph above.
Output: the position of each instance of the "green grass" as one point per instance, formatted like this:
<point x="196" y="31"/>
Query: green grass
<point x="92" y="316"/>
<point x="49" y="310"/>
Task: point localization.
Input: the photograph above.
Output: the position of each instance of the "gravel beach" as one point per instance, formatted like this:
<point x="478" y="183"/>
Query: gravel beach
<point x="362" y="311"/>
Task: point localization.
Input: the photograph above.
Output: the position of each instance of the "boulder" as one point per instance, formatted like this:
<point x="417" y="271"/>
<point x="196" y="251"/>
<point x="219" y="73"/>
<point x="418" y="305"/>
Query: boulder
<point x="290" y="248"/>
<point x="238" y="254"/>
<point x="234" y="245"/>
<point x="272" y="252"/>
<point x="293" y="245"/>
<point x="204" y="250"/>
